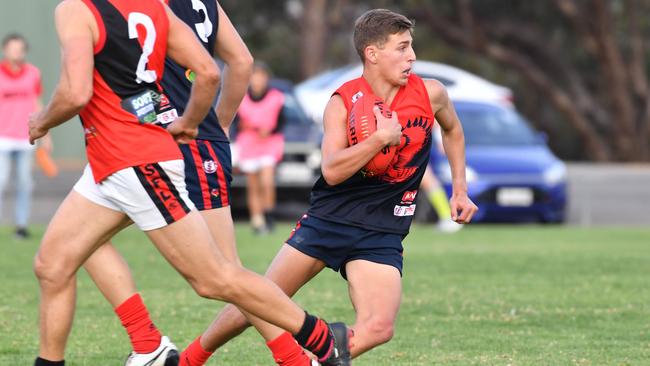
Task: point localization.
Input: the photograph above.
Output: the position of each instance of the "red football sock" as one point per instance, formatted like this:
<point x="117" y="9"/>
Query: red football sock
<point x="194" y="354"/>
<point x="145" y="337"/>
<point x="287" y="352"/>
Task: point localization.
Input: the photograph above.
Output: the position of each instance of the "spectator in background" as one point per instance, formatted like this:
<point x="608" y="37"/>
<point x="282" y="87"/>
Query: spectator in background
<point x="20" y="89"/>
<point x="260" y="145"/>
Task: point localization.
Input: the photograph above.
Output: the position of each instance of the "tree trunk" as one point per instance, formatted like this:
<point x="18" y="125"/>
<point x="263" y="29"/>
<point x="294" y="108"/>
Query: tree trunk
<point x="313" y="37"/>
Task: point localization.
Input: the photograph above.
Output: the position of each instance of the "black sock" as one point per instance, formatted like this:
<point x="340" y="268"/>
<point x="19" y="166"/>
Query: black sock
<point x="43" y="362"/>
<point x="321" y="338"/>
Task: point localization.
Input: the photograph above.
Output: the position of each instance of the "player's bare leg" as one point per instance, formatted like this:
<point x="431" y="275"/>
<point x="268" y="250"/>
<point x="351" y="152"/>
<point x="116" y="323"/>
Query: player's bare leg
<point x="111" y="274"/>
<point x="376" y="293"/>
<point x="222" y="228"/>
<point x="290" y="270"/>
<point x="188" y="246"/>
<point x="75" y="231"/>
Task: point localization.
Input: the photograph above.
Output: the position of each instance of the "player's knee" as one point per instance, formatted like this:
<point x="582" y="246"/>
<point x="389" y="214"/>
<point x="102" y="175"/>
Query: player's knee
<point x="381" y="330"/>
<point x="220" y="286"/>
<point x="50" y="274"/>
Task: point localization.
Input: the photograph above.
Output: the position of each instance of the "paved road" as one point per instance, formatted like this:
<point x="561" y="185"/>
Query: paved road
<point x="598" y="195"/>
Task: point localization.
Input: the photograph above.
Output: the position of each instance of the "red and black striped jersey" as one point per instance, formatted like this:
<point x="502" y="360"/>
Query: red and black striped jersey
<point x="121" y="120"/>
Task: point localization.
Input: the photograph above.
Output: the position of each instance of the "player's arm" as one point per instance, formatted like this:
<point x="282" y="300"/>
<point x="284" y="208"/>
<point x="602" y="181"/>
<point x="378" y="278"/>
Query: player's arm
<point x="185" y="49"/>
<point x="75" y="27"/>
<point x="341" y="161"/>
<point x="236" y="72"/>
<point x="453" y="141"/>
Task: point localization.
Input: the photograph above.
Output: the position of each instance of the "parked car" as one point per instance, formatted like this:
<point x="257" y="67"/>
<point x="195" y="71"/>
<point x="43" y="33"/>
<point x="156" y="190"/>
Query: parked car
<point x="314" y="93"/>
<point x="512" y="175"/>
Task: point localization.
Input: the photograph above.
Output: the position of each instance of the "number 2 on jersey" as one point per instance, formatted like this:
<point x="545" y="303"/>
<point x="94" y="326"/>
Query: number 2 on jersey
<point x="135" y="19"/>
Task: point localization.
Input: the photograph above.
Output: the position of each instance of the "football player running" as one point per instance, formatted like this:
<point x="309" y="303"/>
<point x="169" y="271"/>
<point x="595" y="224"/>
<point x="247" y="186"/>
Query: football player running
<point x="357" y="221"/>
<point x="113" y="60"/>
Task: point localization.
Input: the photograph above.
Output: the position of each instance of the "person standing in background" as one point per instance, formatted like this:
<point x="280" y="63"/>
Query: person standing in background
<point x="260" y="144"/>
<point x="20" y="90"/>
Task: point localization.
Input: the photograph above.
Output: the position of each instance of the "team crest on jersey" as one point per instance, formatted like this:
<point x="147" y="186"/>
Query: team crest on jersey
<point x="357" y="96"/>
<point x="413" y="148"/>
<point x="209" y="166"/>
<point x="214" y="192"/>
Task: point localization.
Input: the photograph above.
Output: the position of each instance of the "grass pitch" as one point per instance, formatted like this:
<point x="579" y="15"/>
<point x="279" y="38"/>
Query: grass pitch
<point x="489" y="295"/>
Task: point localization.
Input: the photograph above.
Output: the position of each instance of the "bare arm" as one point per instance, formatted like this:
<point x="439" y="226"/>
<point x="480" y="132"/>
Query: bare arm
<point x="341" y="161"/>
<point x="185" y="49"/>
<point x="453" y="141"/>
<point x="236" y="72"/>
<point x="75" y="27"/>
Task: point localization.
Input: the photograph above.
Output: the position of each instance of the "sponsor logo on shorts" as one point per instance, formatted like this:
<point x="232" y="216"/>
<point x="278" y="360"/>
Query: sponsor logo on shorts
<point x="409" y="197"/>
<point x="210" y="166"/>
<point x="404" y="210"/>
<point x="357" y="96"/>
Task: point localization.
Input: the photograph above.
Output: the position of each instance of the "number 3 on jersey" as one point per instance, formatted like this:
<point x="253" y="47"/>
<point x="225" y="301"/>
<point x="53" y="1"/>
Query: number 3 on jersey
<point x="135" y="19"/>
<point x="203" y="30"/>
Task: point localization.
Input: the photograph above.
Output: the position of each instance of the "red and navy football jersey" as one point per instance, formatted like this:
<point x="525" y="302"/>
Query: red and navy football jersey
<point x="121" y="120"/>
<point x="383" y="203"/>
<point x="203" y="18"/>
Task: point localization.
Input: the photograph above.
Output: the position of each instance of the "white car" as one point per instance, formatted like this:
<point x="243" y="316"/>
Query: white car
<point x="314" y="93"/>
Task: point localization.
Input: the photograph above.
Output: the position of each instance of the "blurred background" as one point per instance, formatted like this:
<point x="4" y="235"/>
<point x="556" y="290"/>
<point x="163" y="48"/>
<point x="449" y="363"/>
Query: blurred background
<point x="554" y="97"/>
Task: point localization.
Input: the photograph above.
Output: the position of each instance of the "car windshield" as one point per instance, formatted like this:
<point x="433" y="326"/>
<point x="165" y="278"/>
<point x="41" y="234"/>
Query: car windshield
<point x="326" y="78"/>
<point x="487" y="124"/>
<point x="292" y="112"/>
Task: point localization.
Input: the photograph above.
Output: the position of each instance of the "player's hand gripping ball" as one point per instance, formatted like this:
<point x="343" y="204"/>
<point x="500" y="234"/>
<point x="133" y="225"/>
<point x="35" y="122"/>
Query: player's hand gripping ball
<point x="361" y="124"/>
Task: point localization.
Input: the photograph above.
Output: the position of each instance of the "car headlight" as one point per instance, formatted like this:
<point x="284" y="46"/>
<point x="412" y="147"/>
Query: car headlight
<point x="314" y="159"/>
<point x="444" y="172"/>
<point x="555" y="174"/>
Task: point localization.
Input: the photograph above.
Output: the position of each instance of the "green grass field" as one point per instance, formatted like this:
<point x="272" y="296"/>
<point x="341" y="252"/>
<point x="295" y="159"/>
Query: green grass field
<point x="489" y="295"/>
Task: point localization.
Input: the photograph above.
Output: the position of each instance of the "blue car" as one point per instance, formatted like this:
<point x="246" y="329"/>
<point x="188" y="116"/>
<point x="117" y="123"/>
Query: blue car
<point x="512" y="175"/>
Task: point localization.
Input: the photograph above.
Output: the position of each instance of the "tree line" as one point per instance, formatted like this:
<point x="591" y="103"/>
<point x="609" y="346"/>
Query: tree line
<point x="578" y="68"/>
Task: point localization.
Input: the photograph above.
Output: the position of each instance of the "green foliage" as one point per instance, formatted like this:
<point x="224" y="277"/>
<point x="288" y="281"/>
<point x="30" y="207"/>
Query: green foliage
<point x="489" y="295"/>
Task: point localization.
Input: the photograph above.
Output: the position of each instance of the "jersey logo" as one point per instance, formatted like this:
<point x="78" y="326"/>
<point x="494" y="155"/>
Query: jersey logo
<point x="416" y="134"/>
<point x="357" y="96"/>
<point x="190" y="75"/>
<point x="404" y="210"/>
<point x="409" y="197"/>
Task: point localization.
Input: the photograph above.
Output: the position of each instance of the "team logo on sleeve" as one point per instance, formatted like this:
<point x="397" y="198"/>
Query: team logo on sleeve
<point x="357" y="96"/>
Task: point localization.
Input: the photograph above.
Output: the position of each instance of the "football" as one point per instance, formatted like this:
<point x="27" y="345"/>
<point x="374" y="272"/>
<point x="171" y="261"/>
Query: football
<point x="361" y="124"/>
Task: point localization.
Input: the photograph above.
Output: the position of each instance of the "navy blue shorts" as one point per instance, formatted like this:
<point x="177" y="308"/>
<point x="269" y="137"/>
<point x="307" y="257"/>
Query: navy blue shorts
<point x="208" y="173"/>
<point x="336" y="244"/>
